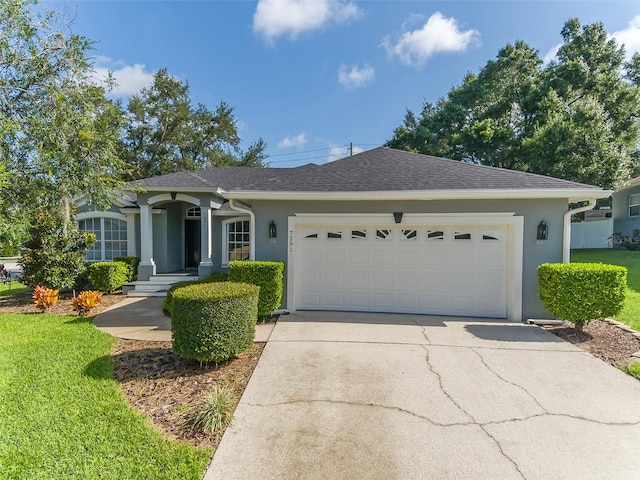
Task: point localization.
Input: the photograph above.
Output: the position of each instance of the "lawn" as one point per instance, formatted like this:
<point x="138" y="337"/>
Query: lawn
<point x="11" y="288"/>
<point x="630" y="315"/>
<point x="64" y="417"/>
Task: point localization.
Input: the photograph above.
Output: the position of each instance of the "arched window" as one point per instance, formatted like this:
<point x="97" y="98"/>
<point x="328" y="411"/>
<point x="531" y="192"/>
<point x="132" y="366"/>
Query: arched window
<point x="236" y="239"/>
<point x="111" y="237"/>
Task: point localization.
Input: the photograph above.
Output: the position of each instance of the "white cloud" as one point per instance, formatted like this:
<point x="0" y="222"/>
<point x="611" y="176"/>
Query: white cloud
<point x="274" y="18"/>
<point x="629" y="37"/>
<point x="297" y="141"/>
<point x="552" y="54"/>
<point x="338" y="152"/>
<point x="356" y="77"/>
<point x="130" y="79"/>
<point x="438" y="34"/>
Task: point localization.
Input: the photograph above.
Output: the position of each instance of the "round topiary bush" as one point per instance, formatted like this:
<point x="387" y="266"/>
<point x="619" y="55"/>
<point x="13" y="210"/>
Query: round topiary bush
<point x="581" y="292"/>
<point x="212" y="322"/>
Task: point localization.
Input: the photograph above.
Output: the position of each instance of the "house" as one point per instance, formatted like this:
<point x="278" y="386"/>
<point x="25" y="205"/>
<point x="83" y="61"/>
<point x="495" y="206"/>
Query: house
<point x="384" y="230"/>
<point x="626" y="208"/>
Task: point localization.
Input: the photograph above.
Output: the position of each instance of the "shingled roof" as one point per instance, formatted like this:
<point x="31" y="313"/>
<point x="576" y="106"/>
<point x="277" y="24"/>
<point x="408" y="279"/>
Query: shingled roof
<point x="378" y="170"/>
<point x="386" y="169"/>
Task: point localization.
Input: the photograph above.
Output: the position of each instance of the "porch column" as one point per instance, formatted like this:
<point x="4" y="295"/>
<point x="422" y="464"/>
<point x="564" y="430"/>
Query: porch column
<point x="147" y="266"/>
<point x="206" y="264"/>
<point x="131" y="234"/>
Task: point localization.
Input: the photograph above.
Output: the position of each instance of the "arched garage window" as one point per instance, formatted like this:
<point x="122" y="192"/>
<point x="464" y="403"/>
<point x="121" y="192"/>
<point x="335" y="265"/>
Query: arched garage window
<point x="236" y="242"/>
<point x="111" y="235"/>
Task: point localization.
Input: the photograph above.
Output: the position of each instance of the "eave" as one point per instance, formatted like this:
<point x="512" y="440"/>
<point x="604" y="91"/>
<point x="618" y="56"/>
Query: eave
<point x="572" y="194"/>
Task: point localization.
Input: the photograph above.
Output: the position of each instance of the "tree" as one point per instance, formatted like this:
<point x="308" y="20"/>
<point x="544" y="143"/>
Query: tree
<point x="58" y="131"/>
<point x="577" y="118"/>
<point x="165" y="133"/>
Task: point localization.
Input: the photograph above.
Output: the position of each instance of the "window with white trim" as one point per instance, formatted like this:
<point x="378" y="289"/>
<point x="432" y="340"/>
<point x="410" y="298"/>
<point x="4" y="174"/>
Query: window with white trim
<point x="634" y="205"/>
<point x="111" y="237"/>
<point x="237" y="239"/>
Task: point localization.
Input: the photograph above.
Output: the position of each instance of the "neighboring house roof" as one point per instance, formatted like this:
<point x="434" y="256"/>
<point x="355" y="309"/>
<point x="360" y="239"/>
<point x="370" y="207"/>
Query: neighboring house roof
<point x="628" y="184"/>
<point x="381" y="173"/>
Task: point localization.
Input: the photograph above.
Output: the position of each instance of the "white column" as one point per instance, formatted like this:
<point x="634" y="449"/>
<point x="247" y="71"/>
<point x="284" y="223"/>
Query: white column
<point x="205" y="236"/>
<point x="147" y="266"/>
<point x="131" y="234"/>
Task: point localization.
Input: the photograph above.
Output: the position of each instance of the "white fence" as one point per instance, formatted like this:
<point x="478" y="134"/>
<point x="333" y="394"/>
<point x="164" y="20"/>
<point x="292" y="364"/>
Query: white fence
<point x="591" y="234"/>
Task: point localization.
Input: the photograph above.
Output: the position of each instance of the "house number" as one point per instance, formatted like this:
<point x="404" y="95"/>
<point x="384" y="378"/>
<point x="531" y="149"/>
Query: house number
<point x="290" y="241"/>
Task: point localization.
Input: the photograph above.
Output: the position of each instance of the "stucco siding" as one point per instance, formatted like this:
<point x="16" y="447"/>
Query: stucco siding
<point x="620" y="211"/>
<point x="533" y="211"/>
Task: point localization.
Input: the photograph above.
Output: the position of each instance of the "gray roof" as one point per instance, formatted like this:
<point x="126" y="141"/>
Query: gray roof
<point x="226" y="178"/>
<point x="377" y="170"/>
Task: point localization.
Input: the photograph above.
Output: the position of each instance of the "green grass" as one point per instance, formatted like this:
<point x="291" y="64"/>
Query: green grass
<point x="11" y="288"/>
<point x="633" y="369"/>
<point x="630" y="314"/>
<point x="63" y="416"/>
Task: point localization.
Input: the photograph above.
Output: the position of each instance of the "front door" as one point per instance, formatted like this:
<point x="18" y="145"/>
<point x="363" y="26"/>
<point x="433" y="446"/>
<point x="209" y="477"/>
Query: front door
<point x="192" y="243"/>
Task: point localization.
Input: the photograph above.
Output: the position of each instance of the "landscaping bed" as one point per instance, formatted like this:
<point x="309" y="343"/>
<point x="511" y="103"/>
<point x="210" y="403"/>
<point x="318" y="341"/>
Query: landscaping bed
<point x="155" y="381"/>
<point x="602" y="339"/>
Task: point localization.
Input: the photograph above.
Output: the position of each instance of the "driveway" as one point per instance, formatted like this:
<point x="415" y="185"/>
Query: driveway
<point x="384" y="396"/>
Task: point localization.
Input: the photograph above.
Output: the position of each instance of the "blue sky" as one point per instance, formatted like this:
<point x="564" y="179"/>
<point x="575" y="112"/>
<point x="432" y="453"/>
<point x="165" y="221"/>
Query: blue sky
<point x="312" y="76"/>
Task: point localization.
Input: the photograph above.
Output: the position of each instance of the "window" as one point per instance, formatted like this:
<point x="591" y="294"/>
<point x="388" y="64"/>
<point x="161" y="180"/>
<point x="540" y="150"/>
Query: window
<point x="334" y="235"/>
<point x="435" y="235"/>
<point x="634" y="205"/>
<point x="238" y="240"/>
<point x="462" y="235"/>
<point x="111" y="238"/>
<point x="383" y="235"/>
<point x="193" y="212"/>
<point x="359" y="234"/>
<point x="409" y="235"/>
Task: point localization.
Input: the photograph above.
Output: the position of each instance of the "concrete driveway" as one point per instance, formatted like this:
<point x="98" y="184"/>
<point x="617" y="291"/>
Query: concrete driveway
<point x="383" y="396"/>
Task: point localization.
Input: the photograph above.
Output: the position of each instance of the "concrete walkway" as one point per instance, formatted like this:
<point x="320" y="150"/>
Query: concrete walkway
<point x="141" y="318"/>
<point x="376" y="396"/>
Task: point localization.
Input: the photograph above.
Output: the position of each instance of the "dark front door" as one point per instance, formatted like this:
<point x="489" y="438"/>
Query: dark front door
<point x="192" y="243"/>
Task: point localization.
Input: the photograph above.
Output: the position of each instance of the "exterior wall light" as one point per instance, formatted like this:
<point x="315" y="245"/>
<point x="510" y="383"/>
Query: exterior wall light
<point x="397" y="216"/>
<point x="543" y="231"/>
<point x="272" y="230"/>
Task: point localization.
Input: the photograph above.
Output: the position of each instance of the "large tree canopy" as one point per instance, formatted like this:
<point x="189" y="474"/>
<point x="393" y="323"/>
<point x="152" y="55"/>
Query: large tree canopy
<point x="165" y="133"/>
<point x="576" y="118"/>
<point x="58" y="132"/>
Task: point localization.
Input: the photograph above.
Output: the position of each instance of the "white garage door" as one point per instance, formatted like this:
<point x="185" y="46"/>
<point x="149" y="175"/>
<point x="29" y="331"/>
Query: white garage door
<point x="431" y="269"/>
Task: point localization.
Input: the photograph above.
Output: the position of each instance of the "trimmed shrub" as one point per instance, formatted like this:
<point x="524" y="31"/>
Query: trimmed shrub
<point x="86" y="301"/>
<point x="108" y="276"/>
<point x="266" y="275"/>
<point x="215" y="277"/>
<point x="132" y="264"/>
<point x="82" y="281"/>
<point x="212" y="322"/>
<point x="581" y="292"/>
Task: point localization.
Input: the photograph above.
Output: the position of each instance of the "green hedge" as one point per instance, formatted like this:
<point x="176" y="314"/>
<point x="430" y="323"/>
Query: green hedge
<point x="108" y="276"/>
<point x="212" y="322"/>
<point x="167" y="303"/>
<point x="266" y="275"/>
<point x="132" y="265"/>
<point x="581" y="292"/>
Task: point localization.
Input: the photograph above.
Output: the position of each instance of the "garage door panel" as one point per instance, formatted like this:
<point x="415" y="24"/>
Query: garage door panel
<point x="422" y="269"/>
<point x="357" y="256"/>
<point x="334" y="299"/>
<point x="335" y="278"/>
<point x="358" y="279"/>
<point x="383" y="301"/>
<point x="334" y="255"/>
<point x="358" y="300"/>
<point x="382" y="279"/>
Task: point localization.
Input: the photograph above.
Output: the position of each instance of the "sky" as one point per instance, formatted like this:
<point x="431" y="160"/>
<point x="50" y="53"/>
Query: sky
<point x="312" y="77"/>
